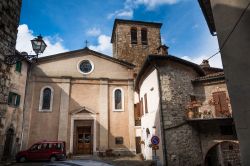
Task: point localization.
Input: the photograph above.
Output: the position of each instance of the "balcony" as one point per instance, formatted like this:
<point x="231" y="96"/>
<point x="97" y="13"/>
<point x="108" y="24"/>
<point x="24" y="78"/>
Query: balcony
<point x="196" y="111"/>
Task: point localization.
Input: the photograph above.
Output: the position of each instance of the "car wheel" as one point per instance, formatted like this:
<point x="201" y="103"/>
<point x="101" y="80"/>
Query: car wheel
<point x="52" y="158"/>
<point x="22" y="159"/>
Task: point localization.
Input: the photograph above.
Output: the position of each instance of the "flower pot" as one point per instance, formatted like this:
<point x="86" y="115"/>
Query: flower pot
<point x="190" y="114"/>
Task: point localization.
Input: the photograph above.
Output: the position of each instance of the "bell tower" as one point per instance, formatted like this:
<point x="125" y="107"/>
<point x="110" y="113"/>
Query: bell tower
<point x="133" y="40"/>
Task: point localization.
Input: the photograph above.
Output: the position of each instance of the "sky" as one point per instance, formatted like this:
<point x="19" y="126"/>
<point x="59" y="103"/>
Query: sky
<point x="67" y="24"/>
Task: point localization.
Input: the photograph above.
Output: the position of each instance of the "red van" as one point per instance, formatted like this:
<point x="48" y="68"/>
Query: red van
<point x="45" y="150"/>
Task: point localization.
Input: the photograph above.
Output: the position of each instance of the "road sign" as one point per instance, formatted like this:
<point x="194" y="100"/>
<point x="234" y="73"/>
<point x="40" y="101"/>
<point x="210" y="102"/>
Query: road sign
<point x="155" y="147"/>
<point x="155" y="140"/>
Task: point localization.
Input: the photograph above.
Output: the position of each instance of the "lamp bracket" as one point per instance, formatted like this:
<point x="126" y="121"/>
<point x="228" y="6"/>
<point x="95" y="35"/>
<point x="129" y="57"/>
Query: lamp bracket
<point x="13" y="59"/>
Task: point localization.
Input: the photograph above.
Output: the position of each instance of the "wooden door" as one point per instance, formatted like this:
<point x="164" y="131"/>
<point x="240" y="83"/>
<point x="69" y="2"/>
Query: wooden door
<point x="138" y="144"/>
<point x="84" y="140"/>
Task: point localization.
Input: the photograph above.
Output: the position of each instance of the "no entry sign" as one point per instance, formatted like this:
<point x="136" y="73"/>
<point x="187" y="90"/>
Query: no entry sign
<point x="155" y="140"/>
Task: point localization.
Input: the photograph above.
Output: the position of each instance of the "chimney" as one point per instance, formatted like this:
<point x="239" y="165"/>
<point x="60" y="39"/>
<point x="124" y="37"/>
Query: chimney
<point x="163" y="50"/>
<point x="205" y="63"/>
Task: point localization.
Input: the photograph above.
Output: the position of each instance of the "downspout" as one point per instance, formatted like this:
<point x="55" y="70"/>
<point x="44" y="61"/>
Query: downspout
<point x="24" y="103"/>
<point x="161" y="116"/>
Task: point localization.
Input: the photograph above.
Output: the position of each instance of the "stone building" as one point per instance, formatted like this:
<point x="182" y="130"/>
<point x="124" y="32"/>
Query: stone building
<point x="133" y="41"/>
<point x="9" y="20"/>
<point x="187" y="106"/>
<point x="229" y="21"/>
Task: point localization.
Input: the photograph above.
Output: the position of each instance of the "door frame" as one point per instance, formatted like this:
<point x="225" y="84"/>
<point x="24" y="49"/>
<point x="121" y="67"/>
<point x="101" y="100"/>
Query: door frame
<point x="82" y="116"/>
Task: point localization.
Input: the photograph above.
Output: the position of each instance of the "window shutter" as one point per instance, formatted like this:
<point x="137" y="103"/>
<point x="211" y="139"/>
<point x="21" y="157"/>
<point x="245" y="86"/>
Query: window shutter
<point x="146" y="103"/>
<point x="141" y="107"/>
<point x="217" y="104"/>
<point x="19" y="66"/>
<point x="17" y="100"/>
<point x="224" y="104"/>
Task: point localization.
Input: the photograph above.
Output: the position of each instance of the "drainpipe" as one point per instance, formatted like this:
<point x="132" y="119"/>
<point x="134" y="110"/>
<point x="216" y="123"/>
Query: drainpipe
<point x="161" y="116"/>
<point x="24" y="103"/>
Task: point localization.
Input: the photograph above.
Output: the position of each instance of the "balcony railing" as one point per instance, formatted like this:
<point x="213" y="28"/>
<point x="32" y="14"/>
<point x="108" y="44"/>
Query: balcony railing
<point x="194" y="111"/>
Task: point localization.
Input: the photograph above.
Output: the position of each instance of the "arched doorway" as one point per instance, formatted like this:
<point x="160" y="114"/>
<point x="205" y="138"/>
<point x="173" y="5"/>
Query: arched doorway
<point x="8" y="143"/>
<point x="225" y="153"/>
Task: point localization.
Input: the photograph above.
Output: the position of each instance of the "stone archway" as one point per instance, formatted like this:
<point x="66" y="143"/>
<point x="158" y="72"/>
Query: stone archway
<point x="8" y="145"/>
<point x="225" y="153"/>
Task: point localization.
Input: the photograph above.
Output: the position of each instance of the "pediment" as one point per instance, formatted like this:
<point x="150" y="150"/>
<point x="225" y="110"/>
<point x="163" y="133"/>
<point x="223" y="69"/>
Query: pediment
<point x="83" y="110"/>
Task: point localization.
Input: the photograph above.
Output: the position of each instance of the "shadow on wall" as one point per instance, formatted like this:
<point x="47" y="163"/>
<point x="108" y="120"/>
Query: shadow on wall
<point x="45" y="125"/>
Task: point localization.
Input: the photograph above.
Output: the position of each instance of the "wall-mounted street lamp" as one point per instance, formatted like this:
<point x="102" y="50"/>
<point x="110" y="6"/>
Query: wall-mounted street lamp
<point x="38" y="45"/>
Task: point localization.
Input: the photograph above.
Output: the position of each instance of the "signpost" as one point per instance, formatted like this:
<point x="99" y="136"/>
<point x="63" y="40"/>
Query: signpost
<point x="155" y="141"/>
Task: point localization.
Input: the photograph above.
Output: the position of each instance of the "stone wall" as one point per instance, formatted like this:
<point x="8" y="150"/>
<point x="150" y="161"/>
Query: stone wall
<point x="135" y="53"/>
<point x="182" y="140"/>
<point x="9" y="20"/>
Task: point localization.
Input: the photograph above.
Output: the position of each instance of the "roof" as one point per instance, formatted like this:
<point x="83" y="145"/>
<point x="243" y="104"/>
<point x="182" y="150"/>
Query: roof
<point x="207" y="12"/>
<point x="211" y="70"/>
<point x="132" y="22"/>
<point x="210" y="77"/>
<point x="86" y="50"/>
<point x="159" y="58"/>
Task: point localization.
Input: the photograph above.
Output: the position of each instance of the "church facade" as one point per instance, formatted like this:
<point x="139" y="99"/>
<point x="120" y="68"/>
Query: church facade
<point x="86" y="98"/>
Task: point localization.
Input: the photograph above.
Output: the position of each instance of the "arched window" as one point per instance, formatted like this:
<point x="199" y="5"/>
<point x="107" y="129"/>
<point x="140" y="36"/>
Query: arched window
<point x="144" y="36"/>
<point x="118" y="99"/>
<point x="46" y="99"/>
<point x="133" y="35"/>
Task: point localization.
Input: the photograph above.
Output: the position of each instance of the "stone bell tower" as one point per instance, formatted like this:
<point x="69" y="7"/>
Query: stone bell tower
<point x="133" y="40"/>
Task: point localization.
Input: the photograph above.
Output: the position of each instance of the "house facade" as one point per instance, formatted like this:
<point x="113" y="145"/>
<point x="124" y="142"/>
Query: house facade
<point x="9" y="124"/>
<point x="187" y="106"/>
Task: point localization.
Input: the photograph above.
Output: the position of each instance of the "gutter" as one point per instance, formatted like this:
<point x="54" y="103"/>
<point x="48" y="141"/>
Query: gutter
<point x="164" y="149"/>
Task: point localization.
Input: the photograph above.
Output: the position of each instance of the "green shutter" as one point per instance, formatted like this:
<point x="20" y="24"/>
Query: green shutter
<point x="10" y="98"/>
<point x="19" y="67"/>
<point x="17" y="100"/>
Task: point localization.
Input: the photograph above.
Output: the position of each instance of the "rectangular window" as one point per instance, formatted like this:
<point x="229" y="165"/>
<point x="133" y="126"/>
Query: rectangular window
<point x="14" y="99"/>
<point x="133" y="32"/>
<point x="19" y="67"/>
<point x="146" y="103"/>
<point x="144" y="37"/>
<point x="118" y="140"/>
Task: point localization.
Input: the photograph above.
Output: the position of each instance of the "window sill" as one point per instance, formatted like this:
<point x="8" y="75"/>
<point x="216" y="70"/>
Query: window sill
<point x="45" y="110"/>
<point x="118" y="110"/>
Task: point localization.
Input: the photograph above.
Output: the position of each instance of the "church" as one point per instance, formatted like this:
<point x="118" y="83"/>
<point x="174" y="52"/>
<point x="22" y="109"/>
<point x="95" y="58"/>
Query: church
<point x="86" y="98"/>
<point x="98" y="103"/>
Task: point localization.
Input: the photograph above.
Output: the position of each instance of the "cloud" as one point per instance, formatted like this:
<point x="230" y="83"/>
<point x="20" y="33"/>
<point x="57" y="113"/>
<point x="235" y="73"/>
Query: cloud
<point x="151" y="4"/>
<point x="104" y="46"/>
<point x="130" y="5"/>
<point x="54" y="43"/>
<point x="123" y="13"/>
<point x="93" y="32"/>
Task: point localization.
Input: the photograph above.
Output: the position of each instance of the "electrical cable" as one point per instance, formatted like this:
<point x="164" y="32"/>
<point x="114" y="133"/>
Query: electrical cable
<point x="228" y="36"/>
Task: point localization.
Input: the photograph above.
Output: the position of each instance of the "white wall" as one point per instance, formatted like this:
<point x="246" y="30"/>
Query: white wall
<point x="150" y="120"/>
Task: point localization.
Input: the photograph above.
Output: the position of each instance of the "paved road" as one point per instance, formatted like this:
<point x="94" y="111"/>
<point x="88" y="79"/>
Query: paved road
<point x="64" y="163"/>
